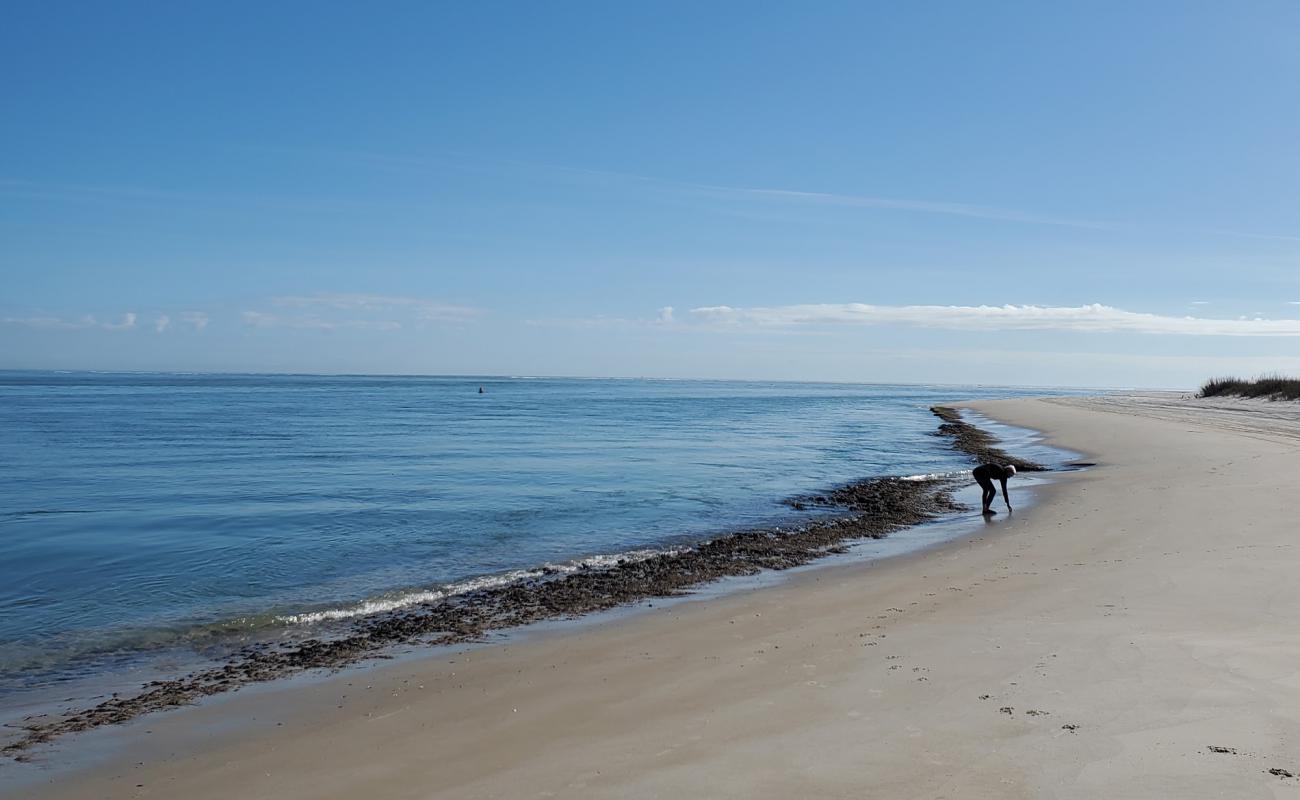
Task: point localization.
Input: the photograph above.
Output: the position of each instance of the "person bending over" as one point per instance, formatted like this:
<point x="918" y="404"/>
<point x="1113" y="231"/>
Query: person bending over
<point x="985" y="474"/>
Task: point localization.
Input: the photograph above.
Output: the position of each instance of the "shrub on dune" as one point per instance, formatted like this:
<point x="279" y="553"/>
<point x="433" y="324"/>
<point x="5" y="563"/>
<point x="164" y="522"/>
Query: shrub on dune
<point x="1271" y="387"/>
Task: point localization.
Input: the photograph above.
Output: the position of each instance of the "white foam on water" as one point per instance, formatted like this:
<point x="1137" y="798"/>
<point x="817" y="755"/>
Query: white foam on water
<point x="929" y="476"/>
<point x="379" y="605"/>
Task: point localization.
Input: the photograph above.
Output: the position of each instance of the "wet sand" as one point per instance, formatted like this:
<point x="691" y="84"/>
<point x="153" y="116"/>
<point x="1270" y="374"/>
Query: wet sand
<point x="1134" y="635"/>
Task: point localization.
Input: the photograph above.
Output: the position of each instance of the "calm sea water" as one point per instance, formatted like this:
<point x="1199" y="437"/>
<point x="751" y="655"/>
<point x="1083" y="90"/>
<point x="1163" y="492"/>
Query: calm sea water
<point x="148" y="511"/>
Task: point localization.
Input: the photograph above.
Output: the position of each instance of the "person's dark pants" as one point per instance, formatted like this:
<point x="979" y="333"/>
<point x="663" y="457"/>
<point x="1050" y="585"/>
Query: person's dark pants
<point x="990" y="493"/>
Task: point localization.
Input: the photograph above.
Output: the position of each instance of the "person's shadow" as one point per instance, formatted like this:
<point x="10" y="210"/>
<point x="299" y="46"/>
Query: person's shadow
<point x="992" y="519"/>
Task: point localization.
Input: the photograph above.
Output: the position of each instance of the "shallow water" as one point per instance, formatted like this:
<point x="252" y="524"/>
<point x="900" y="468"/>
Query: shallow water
<point x="178" y="513"/>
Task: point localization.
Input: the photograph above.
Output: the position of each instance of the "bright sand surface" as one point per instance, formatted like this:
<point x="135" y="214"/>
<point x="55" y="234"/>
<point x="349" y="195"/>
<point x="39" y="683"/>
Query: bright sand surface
<point x="1153" y="602"/>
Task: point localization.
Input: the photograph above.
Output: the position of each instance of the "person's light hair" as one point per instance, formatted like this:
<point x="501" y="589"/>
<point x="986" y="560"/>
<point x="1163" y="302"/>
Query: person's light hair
<point x="1011" y="469"/>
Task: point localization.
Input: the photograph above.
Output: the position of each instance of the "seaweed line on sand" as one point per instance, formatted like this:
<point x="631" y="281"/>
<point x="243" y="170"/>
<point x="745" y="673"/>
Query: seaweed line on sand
<point x="977" y="443"/>
<point x="869" y="509"/>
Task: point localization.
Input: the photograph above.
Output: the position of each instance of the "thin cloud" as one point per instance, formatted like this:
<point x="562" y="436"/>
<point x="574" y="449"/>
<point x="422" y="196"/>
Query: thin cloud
<point x="128" y="322"/>
<point x="195" y="320"/>
<point x="341" y="311"/>
<point x="198" y="320"/>
<point x="258" y="319"/>
<point x="1277" y="237"/>
<point x="81" y="191"/>
<point x="87" y="322"/>
<point x="596" y="322"/>
<point x="421" y="308"/>
<point x="923" y="206"/>
<point x="770" y="194"/>
<point x="47" y="323"/>
<point x="853" y="200"/>
<point x="663" y="318"/>
<point x="1094" y="318"/>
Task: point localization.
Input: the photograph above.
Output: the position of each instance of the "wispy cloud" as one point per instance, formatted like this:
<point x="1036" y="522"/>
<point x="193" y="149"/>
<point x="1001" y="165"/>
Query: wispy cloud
<point x="922" y="206"/>
<point x="785" y="194"/>
<point x="81" y="191"/>
<point x="795" y="196"/>
<point x="422" y="308"/>
<point x="782" y="195"/>
<point x="198" y="320"/>
<point x="126" y="322"/>
<point x="259" y="319"/>
<point x="1277" y="237"/>
<point x="598" y="321"/>
<point x="1094" y="318"/>
<point x="663" y="318"/>
<point x="357" y="312"/>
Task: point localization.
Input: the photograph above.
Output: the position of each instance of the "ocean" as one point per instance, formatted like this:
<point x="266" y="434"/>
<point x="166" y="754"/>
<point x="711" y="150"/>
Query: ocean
<point x="168" y="518"/>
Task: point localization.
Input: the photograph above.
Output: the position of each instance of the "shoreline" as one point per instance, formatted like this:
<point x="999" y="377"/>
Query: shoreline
<point x="301" y="699"/>
<point x="1130" y="636"/>
<point x="867" y="509"/>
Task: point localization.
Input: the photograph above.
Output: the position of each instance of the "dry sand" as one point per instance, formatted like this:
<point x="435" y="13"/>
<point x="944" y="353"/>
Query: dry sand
<point x="1097" y="646"/>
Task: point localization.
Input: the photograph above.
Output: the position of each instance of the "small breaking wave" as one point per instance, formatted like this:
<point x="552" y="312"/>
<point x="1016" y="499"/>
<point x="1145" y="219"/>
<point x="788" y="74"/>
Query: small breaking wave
<point x="932" y="476"/>
<point x="414" y="597"/>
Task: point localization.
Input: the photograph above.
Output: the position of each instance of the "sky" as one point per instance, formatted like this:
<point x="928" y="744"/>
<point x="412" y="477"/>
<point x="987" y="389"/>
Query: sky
<point x="1082" y="194"/>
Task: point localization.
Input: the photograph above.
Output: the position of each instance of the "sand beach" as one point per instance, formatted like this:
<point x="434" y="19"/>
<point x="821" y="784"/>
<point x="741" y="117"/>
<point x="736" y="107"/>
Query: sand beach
<point x="1133" y="634"/>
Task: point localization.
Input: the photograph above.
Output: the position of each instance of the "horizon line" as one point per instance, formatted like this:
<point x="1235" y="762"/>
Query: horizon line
<point x="488" y="376"/>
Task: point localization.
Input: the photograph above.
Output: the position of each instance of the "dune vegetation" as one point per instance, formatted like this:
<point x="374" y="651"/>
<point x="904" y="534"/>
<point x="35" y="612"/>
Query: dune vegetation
<point x="1271" y="387"/>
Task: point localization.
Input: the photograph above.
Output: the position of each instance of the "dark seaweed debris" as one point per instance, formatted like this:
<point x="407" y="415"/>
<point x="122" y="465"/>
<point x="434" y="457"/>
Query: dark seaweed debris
<point x="977" y="443"/>
<point x="875" y="508"/>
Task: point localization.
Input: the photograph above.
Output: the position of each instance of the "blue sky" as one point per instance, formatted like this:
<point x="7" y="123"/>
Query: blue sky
<point x="1095" y="193"/>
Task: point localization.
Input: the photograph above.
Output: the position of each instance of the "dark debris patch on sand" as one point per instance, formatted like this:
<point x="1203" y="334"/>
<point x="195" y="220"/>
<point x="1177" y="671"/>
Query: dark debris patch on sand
<point x="979" y="444"/>
<point x="869" y="509"/>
